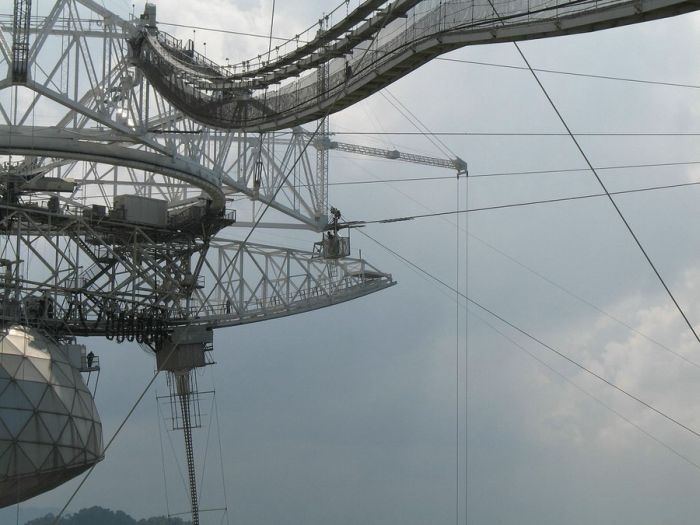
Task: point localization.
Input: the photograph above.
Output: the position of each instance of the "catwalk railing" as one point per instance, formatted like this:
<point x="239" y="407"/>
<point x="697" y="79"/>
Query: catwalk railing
<point x="366" y="56"/>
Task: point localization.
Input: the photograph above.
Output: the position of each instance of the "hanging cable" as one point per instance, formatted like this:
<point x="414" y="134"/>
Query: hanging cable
<point x="521" y="133"/>
<point x="519" y="204"/>
<point x="466" y="352"/>
<point x="227" y="31"/>
<point x="162" y="459"/>
<point x="516" y="173"/>
<point x="571" y="73"/>
<point x="608" y="194"/>
<point x="543" y="277"/>
<point x="109" y="444"/>
<point x="257" y="176"/>
<point x="600" y="168"/>
<point x="463" y="61"/>
<point x="588" y="394"/>
<point x="585" y="301"/>
<point x="600" y="181"/>
<point x="272" y="24"/>
<point x="206" y="450"/>
<point x="221" y="458"/>
<point x="457" y="349"/>
<point x="502" y="319"/>
<point x="423" y="130"/>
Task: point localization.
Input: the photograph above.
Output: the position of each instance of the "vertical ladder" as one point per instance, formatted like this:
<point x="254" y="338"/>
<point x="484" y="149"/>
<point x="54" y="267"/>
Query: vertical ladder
<point x="184" y="394"/>
<point x="323" y="86"/>
<point x="20" y="40"/>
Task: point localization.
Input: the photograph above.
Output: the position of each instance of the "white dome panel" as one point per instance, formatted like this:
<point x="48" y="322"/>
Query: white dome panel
<point x="49" y="427"/>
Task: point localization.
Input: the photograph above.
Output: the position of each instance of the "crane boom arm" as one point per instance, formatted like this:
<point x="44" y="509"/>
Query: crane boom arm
<point x="456" y="164"/>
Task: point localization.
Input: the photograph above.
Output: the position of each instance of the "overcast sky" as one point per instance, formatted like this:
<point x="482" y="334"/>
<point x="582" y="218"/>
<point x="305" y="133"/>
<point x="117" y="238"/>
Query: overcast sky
<point x="348" y="415"/>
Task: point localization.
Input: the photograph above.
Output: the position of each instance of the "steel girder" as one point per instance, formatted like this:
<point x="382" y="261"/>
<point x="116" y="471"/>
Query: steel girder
<point x="98" y="274"/>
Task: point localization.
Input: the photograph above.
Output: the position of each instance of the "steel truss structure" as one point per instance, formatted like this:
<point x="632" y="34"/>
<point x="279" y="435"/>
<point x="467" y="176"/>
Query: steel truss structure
<point x="96" y="106"/>
<point x="83" y="275"/>
<point x="130" y="164"/>
<point x="121" y="217"/>
<point x="87" y="127"/>
<point x="359" y="52"/>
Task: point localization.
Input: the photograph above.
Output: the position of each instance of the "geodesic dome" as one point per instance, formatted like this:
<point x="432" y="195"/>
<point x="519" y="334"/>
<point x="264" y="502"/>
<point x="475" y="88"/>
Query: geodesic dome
<point x="49" y="427"/>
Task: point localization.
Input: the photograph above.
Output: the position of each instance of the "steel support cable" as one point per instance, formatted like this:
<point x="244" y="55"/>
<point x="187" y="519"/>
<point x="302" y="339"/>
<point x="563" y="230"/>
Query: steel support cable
<point x="514" y="173"/>
<point x="109" y="443"/>
<point x="227" y="31"/>
<point x="653" y="341"/>
<point x="162" y="461"/>
<point x="600" y="181"/>
<point x="502" y="319"/>
<point x="352" y="224"/>
<point x="607" y="193"/>
<point x="439" y="144"/>
<point x="586" y="369"/>
<point x="173" y="452"/>
<point x="221" y="459"/>
<point x="571" y="73"/>
<point x="426" y="130"/>
<point x="445" y="150"/>
<point x="206" y="450"/>
<point x="451" y="177"/>
<point x="464" y="61"/>
<point x="272" y="25"/>
<point x="521" y="133"/>
<point x="466" y="350"/>
<point x="599" y="168"/>
<point x="258" y="162"/>
<point x="457" y="372"/>
<point x="587" y="393"/>
<point x="583" y="300"/>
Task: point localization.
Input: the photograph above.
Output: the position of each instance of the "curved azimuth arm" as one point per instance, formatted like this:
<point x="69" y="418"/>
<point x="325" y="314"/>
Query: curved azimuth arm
<point x="371" y="47"/>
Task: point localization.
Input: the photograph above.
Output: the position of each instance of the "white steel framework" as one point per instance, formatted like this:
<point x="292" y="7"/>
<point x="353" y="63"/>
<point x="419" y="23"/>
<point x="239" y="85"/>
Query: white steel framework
<point x="129" y="163"/>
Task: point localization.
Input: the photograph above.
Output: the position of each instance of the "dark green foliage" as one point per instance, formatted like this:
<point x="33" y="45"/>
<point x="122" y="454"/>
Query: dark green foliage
<point x="102" y="516"/>
<point x="162" y="520"/>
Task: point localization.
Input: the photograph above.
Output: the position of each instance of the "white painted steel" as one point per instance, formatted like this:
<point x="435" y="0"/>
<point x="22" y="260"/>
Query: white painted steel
<point x="49" y="427"/>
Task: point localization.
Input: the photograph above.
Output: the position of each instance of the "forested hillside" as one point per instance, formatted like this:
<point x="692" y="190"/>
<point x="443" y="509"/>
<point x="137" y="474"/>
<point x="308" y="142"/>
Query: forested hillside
<point x="95" y="515"/>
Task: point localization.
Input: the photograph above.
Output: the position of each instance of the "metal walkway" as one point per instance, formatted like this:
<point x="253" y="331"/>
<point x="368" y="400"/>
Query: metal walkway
<point x="371" y="47"/>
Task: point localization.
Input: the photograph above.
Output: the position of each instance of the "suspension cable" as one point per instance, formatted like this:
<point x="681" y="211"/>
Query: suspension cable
<point x="608" y="194"/>
<point x="541" y="343"/>
<point x="109" y="443"/>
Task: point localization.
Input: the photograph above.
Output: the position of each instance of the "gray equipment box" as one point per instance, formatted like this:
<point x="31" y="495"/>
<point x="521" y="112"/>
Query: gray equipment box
<point x="142" y="210"/>
<point x="184" y="349"/>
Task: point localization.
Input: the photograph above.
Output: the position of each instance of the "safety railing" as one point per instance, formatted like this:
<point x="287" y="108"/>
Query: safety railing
<point x="199" y="87"/>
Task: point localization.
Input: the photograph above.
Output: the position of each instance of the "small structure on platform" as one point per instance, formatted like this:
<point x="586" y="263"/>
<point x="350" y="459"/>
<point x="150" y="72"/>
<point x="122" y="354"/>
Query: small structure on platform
<point x="333" y="245"/>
